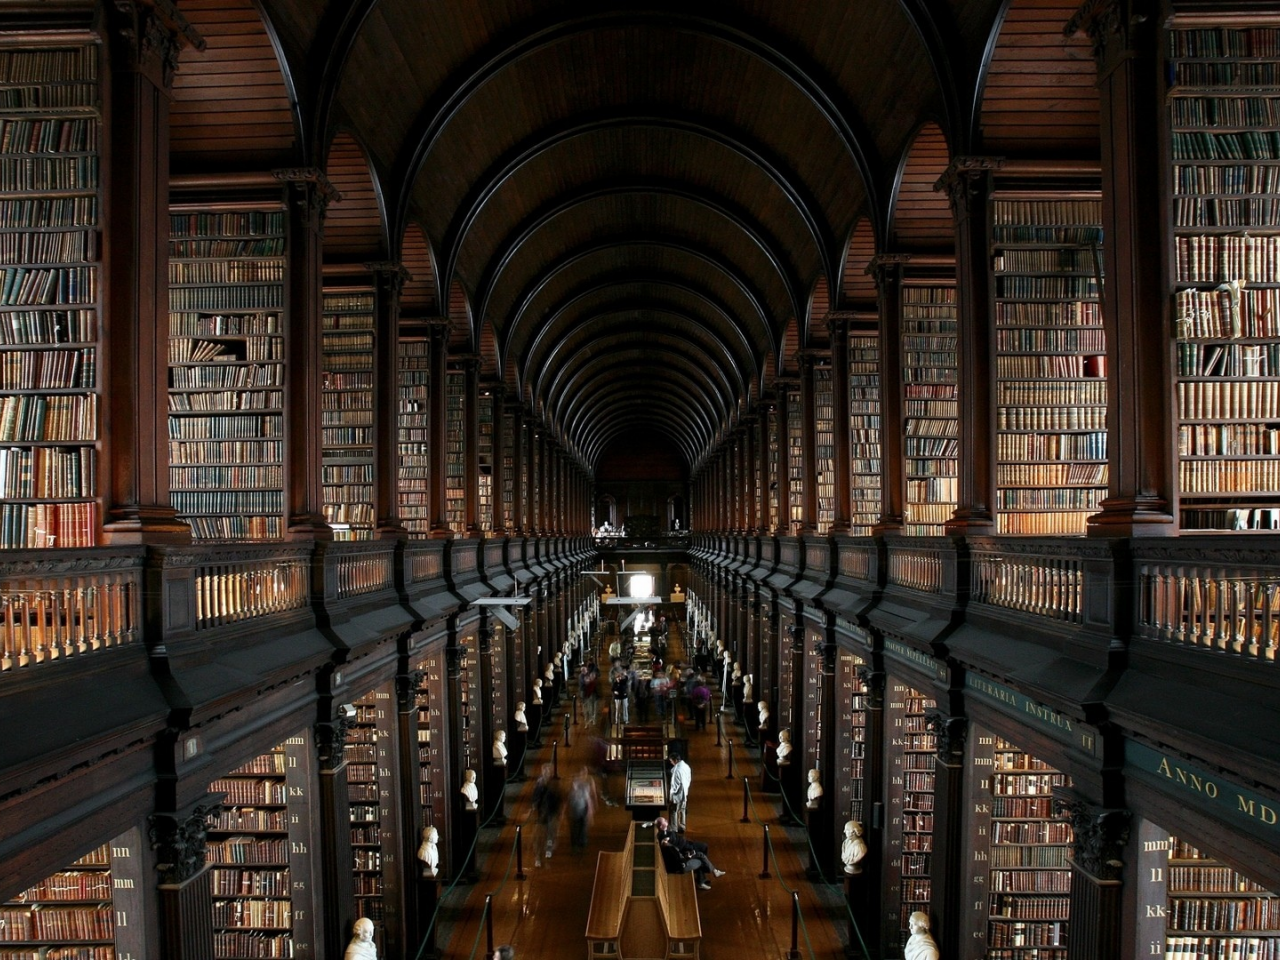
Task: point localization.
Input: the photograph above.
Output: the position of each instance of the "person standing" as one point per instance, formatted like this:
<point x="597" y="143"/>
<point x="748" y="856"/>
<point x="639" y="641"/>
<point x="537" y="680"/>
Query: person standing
<point x="582" y="809"/>
<point x="546" y="812"/>
<point x="700" y="702"/>
<point x="681" y="779"/>
<point x="621" y="691"/>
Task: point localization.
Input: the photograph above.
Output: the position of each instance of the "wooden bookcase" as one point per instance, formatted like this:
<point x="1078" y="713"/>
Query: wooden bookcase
<point x="260" y="848"/>
<point x="509" y="424"/>
<point x="227" y="329"/>
<point x="930" y="414"/>
<point x="851" y="745"/>
<point x="1020" y="853"/>
<point x="1050" y="362"/>
<point x="370" y="790"/>
<point x="824" y="444"/>
<point x="455" y="452"/>
<point x="347" y="472"/>
<point x="90" y="910"/>
<point x="413" y="449"/>
<point x="1225" y="216"/>
<point x="911" y="757"/>
<point x="795" y="462"/>
<point x="50" y="299"/>
<point x="484" y="457"/>
<point x="430" y="709"/>
<point x="774" y="455"/>
<point x="864" y="433"/>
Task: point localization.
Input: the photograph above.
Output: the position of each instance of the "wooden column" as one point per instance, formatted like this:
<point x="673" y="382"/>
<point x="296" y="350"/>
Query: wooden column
<point x="309" y="193"/>
<point x="388" y="280"/>
<point x="439" y="441"/>
<point x="808" y="447"/>
<point x="968" y="184"/>
<point x="946" y="867"/>
<point x="471" y="445"/>
<point x="1097" y="856"/>
<point x="145" y="42"/>
<point x="838" y="329"/>
<point x="762" y="469"/>
<point x="887" y="271"/>
<point x="185" y="881"/>
<point x="1140" y="454"/>
<point x="336" y="861"/>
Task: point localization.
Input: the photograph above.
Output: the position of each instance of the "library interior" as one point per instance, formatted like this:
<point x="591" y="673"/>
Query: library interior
<point x="883" y="396"/>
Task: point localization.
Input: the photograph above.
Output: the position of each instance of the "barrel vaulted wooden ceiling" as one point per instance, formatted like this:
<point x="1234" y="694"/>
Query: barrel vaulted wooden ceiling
<point x="635" y="212"/>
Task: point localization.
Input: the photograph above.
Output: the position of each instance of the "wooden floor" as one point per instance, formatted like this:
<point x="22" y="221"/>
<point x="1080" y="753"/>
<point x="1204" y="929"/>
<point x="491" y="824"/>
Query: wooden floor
<point x="742" y="917"/>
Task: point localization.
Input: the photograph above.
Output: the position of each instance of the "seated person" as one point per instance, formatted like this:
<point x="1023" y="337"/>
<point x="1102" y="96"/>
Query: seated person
<point x="680" y="855"/>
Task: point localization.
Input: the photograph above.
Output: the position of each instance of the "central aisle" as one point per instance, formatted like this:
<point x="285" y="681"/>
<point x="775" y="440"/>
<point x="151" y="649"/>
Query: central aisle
<point x="742" y="916"/>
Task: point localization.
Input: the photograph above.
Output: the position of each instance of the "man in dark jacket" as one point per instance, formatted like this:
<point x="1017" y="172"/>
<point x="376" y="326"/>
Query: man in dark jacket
<point x="680" y="855"/>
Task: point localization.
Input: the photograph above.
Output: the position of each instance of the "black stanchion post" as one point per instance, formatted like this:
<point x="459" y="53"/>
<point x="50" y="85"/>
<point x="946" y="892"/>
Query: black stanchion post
<point x="746" y="799"/>
<point x="794" y="952"/>
<point x="567" y="744"/>
<point x="520" y="852"/>
<point x="488" y="925"/>
<point x="764" y="869"/>
<point x="719" y="728"/>
<point x="555" y="759"/>
<point x="729" y="775"/>
<point x="575" y="709"/>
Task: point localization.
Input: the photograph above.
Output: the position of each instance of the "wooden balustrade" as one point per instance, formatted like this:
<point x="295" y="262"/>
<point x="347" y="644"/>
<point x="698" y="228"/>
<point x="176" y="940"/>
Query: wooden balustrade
<point x="915" y="568"/>
<point x="857" y="559"/>
<point x="1043" y="585"/>
<point x="424" y="563"/>
<point x="365" y="572"/>
<point x="1229" y="607"/>
<point x="236" y="588"/>
<point x="66" y="610"/>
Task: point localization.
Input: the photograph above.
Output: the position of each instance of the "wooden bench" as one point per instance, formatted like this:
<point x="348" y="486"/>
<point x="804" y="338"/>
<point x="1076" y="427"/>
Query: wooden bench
<point x="638" y="910"/>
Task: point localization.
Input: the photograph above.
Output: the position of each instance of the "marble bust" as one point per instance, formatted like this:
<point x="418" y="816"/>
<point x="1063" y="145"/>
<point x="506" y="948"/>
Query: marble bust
<point x="469" y="789"/>
<point x="361" y="946"/>
<point x="429" y="851"/>
<point x="522" y="722"/>
<point x="500" y="748"/>
<point x="854" y="849"/>
<point x="921" y="945"/>
<point x="537" y="691"/>
<point x="783" y="750"/>
<point x="813" y="798"/>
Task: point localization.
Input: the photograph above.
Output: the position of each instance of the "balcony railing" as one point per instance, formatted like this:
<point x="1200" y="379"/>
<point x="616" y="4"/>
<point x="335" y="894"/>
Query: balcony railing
<point x="1017" y="575"/>
<point x="917" y="567"/>
<point x="233" y="587"/>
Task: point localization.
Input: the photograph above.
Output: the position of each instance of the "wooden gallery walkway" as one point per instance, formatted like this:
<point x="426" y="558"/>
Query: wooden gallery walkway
<point x="743" y="917"/>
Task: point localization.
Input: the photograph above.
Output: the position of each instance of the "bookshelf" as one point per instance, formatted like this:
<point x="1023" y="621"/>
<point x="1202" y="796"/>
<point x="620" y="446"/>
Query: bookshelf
<point x="852" y="743"/>
<point x="1214" y="910"/>
<point x="929" y="392"/>
<point x="81" y="913"/>
<point x="774" y="455"/>
<point x="864" y="433"/>
<point x="1225" y="184"/>
<point x="259" y="849"/>
<point x="484" y="458"/>
<point x="824" y="445"/>
<point x="347" y="470"/>
<point x="455" y="469"/>
<point x="795" y="461"/>
<point x="1024" y="866"/>
<point x="413" y="451"/>
<point x="226" y="371"/>
<point x="510" y="426"/>
<point x="370" y="790"/>
<point x="429" y="705"/>
<point x="1051" y="371"/>
<point x="910" y="794"/>
<point x="50" y="300"/>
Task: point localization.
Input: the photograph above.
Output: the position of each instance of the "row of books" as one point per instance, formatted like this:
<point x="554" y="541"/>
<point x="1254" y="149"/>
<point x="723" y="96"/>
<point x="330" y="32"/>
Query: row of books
<point x="57" y="924"/>
<point x="235" y="527"/>
<point x="31" y="286"/>
<point x="43" y="525"/>
<point x="250" y="883"/>
<point x="1074" y="499"/>
<point x="1040" y="340"/>
<point x="250" y="348"/>
<point x="1009" y="907"/>
<point x="1231" y="476"/>
<point x="226" y="376"/>
<point x="246" y="850"/>
<point x="49" y="98"/>
<point x="73" y="368"/>
<point x="225" y="324"/>
<point x="48" y="327"/>
<point x="1228" y="360"/>
<point x="36" y="418"/>
<point x="241" y="223"/>
<point x="1070" y="313"/>
<point x="47" y="472"/>
<point x="1230" y="312"/>
<point x="1051" y="446"/>
<point x="1241" y="178"/>
<point x="1041" y="524"/>
<point x="1060" y="260"/>
<point x="1017" y="393"/>
<point x="237" y="477"/>
<point x="34" y="174"/>
<point x="1223" y="913"/>
<point x="1054" y="287"/>
<point x="49" y="64"/>
<point x="1053" y="214"/>
<point x="1031" y="881"/>
<point x="1239" y="145"/>
<point x="1051" y="366"/>
<point x="70" y="885"/>
<point x="225" y="271"/>
<point x="1229" y="400"/>
<point x="1028" y="935"/>
<point x="255" y="945"/>
<point x="1218" y="42"/>
<point x="1051" y="418"/>
<point x="61" y="246"/>
<point x="230" y="427"/>
<point x="1218" y="259"/>
<point x="49" y="135"/>
<point x="239" y="297"/>
<point x="1221" y="948"/>
<point x="270" y="914"/>
<point x="226" y="451"/>
<point x="231" y="502"/>
<point x="1226" y="212"/>
<point x="1229" y="439"/>
<point x="1051" y="475"/>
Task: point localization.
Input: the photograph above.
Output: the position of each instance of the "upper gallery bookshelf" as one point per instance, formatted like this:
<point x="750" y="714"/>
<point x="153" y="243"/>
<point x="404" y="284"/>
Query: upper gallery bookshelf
<point x="455" y="452"/>
<point x="484" y="458"/>
<point x="50" y="133"/>
<point x="509" y="422"/>
<point x="347" y="415"/>
<point x="864" y="432"/>
<point x="1224" y="106"/>
<point x="226" y="370"/>
<point x="929" y="384"/>
<point x="795" y="460"/>
<point x="774" y="455"/>
<point x="824" y="443"/>
<point x="414" y="435"/>
<point x="1051" y="387"/>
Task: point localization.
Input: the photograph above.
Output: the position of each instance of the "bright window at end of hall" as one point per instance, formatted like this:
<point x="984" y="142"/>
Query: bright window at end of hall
<point x="641" y="585"/>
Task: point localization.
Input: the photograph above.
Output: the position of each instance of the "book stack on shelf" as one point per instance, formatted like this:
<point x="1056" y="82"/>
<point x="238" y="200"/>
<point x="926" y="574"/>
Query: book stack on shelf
<point x="50" y="131"/>
<point x="226" y="372"/>
<point x="510" y="425"/>
<point x="455" y="452"/>
<point x="258" y="846"/>
<point x="1051" y="370"/>
<point x="484" y="457"/>
<point x="368" y="786"/>
<point x="69" y="914"/>
<point x="910" y="795"/>
<point x="1215" y="911"/>
<point x="347" y="413"/>
<point x="824" y="445"/>
<point x="931" y="427"/>
<point x="413" y="449"/>
<point x="1224" y="85"/>
<point x="1030" y="879"/>
<point x="852" y="731"/>
<point x="795" y="461"/>
<point x="864" y="433"/>
<point x="775" y="455"/>
<point x="429" y="700"/>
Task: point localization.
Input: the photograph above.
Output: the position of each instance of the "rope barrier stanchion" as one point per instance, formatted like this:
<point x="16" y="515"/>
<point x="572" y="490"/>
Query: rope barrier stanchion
<point x="719" y="728"/>
<point x="729" y="775"/>
<point x="746" y="799"/>
<point x="794" y="952"/>
<point x="567" y="744"/>
<point x="520" y="874"/>
<point x="575" y="709"/>
<point x="488" y="927"/>
<point x="555" y="759"/>
<point x="764" y="869"/>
